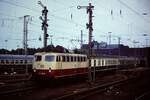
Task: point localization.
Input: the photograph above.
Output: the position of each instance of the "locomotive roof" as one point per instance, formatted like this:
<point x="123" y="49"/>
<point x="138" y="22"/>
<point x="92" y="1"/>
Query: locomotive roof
<point x="52" y="53"/>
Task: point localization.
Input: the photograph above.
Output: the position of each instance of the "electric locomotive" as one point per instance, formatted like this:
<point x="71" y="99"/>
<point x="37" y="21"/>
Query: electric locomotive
<point x="57" y="65"/>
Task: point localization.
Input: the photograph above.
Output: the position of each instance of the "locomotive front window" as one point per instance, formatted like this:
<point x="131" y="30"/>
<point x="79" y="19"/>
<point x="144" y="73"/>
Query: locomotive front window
<point x="38" y="58"/>
<point x="49" y="58"/>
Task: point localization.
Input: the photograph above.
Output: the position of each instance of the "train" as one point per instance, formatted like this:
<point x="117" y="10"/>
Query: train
<point x="60" y="65"/>
<point x="15" y="64"/>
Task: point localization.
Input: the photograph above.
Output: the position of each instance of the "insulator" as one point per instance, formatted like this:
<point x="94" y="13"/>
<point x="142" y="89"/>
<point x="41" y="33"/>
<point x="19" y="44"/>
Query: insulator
<point x="87" y="25"/>
<point x="47" y="35"/>
<point x="78" y="7"/>
<point x="46" y="25"/>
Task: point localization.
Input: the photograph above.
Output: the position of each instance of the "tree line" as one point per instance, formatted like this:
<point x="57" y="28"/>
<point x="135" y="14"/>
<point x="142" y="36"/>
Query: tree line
<point x="31" y="51"/>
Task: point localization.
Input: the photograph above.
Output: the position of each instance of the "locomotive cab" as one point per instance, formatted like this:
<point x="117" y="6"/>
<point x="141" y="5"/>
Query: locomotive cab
<point x="59" y="65"/>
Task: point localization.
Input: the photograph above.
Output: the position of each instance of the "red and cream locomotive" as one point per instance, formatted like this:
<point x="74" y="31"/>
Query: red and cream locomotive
<point x="56" y="65"/>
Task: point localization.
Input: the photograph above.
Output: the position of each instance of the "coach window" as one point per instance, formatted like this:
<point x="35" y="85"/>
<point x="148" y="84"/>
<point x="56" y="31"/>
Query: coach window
<point x="90" y="62"/>
<point x="71" y="58"/>
<point x="16" y="61"/>
<point x="38" y="58"/>
<point x="2" y="61"/>
<point x="7" y="61"/>
<point x="78" y="59"/>
<point x="21" y="61"/>
<point x="58" y="58"/>
<point x="25" y="61"/>
<point x="94" y="62"/>
<point x="85" y="59"/>
<point x="12" y="61"/>
<point x="49" y="58"/>
<point x="67" y="58"/>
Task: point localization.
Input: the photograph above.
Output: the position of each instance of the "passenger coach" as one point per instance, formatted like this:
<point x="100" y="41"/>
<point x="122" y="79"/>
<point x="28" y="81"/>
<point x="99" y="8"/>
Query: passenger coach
<point x="56" y="65"/>
<point x="15" y="63"/>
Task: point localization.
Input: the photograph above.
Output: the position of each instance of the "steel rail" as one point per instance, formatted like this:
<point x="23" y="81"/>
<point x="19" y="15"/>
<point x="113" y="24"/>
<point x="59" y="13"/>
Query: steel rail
<point x="16" y="88"/>
<point x="16" y="91"/>
<point x="78" y="95"/>
<point x="142" y="96"/>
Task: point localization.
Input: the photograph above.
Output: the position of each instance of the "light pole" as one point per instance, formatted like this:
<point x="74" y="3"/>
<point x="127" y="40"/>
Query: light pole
<point x="146" y="40"/>
<point x="146" y="45"/>
<point x="119" y="39"/>
<point x="109" y="37"/>
<point x="51" y="39"/>
<point x="109" y="33"/>
<point x="18" y="49"/>
<point x="134" y="43"/>
<point x="6" y="46"/>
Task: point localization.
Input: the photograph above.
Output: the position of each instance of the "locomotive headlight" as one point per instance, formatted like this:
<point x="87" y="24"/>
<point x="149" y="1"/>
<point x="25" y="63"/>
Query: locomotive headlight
<point x="34" y="70"/>
<point x="49" y="69"/>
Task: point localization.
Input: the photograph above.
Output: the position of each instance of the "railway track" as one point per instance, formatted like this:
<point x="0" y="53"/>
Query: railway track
<point x="14" y="78"/>
<point x="143" y="96"/>
<point x="83" y="93"/>
<point x="49" y="91"/>
<point x="16" y="88"/>
<point x="15" y="91"/>
<point x="119" y="87"/>
<point x="75" y="90"/>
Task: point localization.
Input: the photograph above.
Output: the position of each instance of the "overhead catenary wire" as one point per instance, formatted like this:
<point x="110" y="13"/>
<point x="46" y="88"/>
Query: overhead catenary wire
<point x="133" y="10"/>
<point x="61" y="3"/>
<point x="121" y="15"/>
<point x="30" y="9"/>
<point x="51" y="14"/>
<point x="57" y="17"/>
<point x="18" y="5"/>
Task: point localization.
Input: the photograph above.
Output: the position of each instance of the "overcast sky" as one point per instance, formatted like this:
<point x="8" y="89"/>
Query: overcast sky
<point x="128" y="19"/>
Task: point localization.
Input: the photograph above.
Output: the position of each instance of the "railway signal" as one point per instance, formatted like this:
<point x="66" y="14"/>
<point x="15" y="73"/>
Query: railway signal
<point x="90" y="27"/>
<point x="44" y="23"/>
